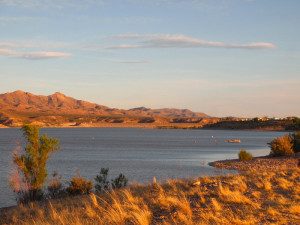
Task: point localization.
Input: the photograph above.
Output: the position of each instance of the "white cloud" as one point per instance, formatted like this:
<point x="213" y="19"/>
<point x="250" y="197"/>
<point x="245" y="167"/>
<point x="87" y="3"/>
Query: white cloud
<point x="44" y="55"/>
<point x="34" y="55"/>
<point x="181" y="41"/>
<point x="14" y="45"/>
<point x="124" y="46"/>
<point x="8" y="52"/>
<point x="131" y="61"/>
<point x="56" y="4"/>
<point x="138" y="36"/>
<point x="20" y="3"/>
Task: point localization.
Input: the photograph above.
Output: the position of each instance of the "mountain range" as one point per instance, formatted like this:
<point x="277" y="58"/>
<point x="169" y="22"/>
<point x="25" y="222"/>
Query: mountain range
<point x="21" y="105"/>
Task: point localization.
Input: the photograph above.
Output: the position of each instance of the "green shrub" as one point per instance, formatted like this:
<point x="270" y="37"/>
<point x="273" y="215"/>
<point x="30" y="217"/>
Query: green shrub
<point x="119" y="182"/>
<point x="28" y="177"/>
<point x="281" y="146"/>
<point x="103" y="184"/>
<point x="245" y="156"/>
<point x="296" y="141"/>
<point x="101" y="180"/>
<point x="79" y="185"/>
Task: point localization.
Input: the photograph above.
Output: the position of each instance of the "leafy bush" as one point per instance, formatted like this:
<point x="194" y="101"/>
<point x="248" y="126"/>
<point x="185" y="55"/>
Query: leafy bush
<point x="296" y="141"/>
<point x="102" y="182"/>
<point x="79" y="185"/>
<point x="55" y="187"/>
<point x="281" y="146"/>
<point x="245" y="156"/>
<point x="28" y="177"/>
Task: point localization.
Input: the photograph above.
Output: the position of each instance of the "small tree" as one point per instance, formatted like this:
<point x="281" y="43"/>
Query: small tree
<point x="281" y="146"/>
<point x="30" y="172"/>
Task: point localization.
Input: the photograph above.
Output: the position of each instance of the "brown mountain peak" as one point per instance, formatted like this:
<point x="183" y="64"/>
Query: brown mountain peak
<point x="18" y="92"/>
<point x="59" y="95"/>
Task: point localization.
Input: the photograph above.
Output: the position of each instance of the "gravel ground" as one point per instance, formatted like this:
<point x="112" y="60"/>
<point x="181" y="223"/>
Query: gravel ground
<point x="264" y="163"/>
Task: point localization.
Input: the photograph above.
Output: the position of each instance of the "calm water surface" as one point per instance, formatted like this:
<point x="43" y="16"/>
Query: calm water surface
<point x="140" y="154"/>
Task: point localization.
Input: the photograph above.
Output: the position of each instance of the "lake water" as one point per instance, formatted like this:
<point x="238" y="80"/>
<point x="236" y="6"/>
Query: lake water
<point x="140" y="154"/>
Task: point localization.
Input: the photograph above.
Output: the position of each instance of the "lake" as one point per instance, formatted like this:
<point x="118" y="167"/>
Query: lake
<point x="140" y="154"/>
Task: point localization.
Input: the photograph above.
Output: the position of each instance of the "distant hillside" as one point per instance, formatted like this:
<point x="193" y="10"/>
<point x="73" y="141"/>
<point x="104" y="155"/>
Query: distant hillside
<point x="60" y="103"/>
<point x="166" y="113"/>
<point x="56" y="103"/>
<point x="19" y="107"/>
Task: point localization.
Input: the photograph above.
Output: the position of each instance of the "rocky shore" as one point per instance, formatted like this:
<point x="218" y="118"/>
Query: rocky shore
<point x="264" y="163"/>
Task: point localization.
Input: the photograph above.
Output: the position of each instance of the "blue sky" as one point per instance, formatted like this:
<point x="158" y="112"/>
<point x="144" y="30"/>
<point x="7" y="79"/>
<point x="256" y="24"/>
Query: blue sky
<point x="220" y="57"/>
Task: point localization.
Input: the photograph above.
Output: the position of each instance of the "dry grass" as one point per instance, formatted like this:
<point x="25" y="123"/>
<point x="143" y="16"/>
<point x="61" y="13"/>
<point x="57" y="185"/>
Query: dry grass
<point x="248" y="198"/>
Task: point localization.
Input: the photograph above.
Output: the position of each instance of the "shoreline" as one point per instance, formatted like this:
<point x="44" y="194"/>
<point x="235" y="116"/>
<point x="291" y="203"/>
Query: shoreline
<point x="261" y="163"/>
<point x="177" y="126"/>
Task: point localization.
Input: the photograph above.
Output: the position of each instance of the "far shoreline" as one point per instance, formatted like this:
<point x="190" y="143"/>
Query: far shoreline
<point x="150" y="126"/>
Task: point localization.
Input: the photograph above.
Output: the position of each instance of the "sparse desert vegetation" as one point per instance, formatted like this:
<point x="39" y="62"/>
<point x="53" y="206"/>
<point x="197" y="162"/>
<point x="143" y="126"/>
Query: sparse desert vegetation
<point x="29" y="174"/>
<point x="245" y="156"/>
<point x="283" y="155"/>
<point x="282" y="146"/>
<point x="248" y="198"/>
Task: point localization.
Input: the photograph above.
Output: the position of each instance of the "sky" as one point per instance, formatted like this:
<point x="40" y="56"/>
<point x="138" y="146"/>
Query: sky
<point x="221" y="57"/>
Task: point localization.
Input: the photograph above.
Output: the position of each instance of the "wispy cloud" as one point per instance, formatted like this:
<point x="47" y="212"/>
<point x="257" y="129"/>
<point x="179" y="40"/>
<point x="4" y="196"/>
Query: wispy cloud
<point x="84" y="4"/>
<point x="14" y="45"/>
<point x="8" y="52"/>
<point x="131" y="61"/>
<point x="186" y="83"/>
<point x="138" y="36"/>
<point x="34" y="55"/>
<point x="44" y="55"/>
<point x="58" y="4"/>
<point x="182" y="41"/>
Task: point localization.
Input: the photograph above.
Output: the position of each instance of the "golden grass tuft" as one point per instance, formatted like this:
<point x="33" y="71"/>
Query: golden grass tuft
<point x="295" y="209"/>
<point x="216" y="205"/>
<point x="226" y="195"/>
<point x="256" y="194"/>
<point x="267" y="185"/>
<point x="283" y="183"/>
<point x="272" y="212"/>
